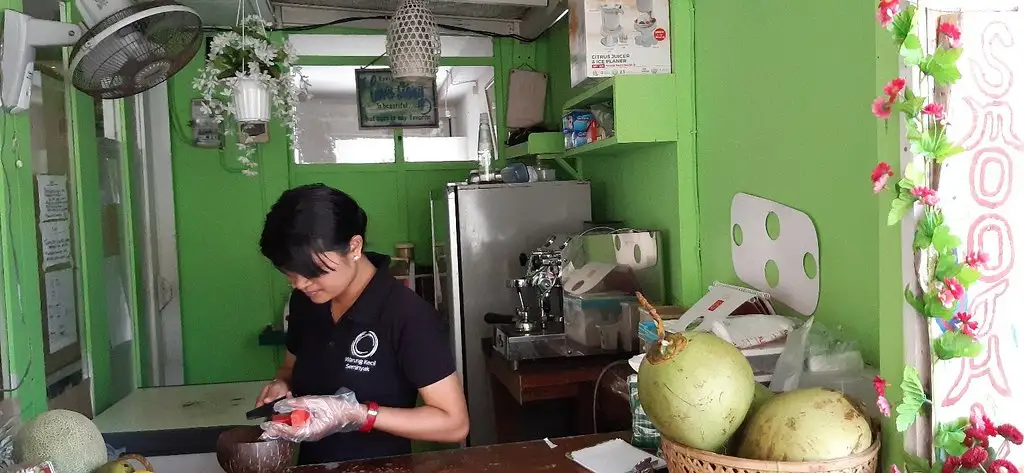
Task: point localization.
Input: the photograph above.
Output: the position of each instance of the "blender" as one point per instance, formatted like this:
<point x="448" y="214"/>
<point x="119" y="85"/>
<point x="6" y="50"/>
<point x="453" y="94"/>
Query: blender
<point x="645" y="23"/>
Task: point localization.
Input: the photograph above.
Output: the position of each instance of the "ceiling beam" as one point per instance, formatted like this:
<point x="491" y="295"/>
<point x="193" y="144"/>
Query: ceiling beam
<point x="538" y="20"/>
<point x="507" y="3"/>
<point x="302" y="15"/>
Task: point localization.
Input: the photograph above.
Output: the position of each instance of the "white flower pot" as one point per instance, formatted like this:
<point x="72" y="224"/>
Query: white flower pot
<point x="251" y="101"/>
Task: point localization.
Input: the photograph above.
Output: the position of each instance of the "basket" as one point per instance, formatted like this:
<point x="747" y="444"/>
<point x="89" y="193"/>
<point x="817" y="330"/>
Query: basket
<point x="139" y="458"/>
<point x="683" y="459"/>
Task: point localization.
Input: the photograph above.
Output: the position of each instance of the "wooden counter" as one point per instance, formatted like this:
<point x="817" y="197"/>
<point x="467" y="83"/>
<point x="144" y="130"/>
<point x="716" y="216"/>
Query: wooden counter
<point x="525" y="457"/>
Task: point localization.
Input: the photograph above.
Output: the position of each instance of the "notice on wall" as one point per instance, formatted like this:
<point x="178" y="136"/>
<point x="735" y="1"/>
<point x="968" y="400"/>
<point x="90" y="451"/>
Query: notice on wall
<point x="61" y="317"/>
<point x="387" y="102"/>
<point x="55" y="243"/>
<point x="53" y="197"/>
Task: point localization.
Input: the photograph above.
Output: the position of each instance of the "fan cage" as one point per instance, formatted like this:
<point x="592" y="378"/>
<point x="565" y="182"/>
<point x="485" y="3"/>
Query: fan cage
<point x="139" y="55"/>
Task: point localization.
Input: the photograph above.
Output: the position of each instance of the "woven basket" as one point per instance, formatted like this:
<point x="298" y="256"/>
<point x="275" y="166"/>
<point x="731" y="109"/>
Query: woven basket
<point x="140" y="459"/>
<point x="682" y="459"/>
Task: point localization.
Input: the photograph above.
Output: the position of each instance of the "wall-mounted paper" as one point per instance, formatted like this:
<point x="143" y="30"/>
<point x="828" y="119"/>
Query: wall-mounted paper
<point x="56" y="242"/>
<point x="61" y="317"/>
<point x="53" y="197"/>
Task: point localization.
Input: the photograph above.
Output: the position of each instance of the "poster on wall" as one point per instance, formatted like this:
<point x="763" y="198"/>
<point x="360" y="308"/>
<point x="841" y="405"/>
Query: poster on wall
<point x="386" y="102"/>
<point x="61" y="317"/>
<point x="55" y="243"/>
<point x="53" y="197"/>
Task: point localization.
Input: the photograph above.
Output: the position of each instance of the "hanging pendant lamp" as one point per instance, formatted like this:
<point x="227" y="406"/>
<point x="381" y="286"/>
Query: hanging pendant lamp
<point x="414" y="45"/>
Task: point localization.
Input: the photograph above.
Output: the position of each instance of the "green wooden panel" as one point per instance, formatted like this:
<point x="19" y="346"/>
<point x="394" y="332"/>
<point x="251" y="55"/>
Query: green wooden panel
<point x="23" y="323"/>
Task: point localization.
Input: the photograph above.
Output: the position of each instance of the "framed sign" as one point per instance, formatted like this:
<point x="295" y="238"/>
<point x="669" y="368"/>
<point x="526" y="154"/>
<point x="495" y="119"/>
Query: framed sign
<point x="386" y="102"/>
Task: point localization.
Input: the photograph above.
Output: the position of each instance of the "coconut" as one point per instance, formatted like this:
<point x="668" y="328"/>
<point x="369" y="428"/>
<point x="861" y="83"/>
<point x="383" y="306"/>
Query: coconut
<point x="761" y="395"/>
<point x="696" y="388"/>
<point x="813" y="424"/>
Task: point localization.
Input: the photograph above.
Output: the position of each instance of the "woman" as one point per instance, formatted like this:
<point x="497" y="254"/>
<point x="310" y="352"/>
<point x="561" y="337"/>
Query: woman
<point x="354" y="332"/>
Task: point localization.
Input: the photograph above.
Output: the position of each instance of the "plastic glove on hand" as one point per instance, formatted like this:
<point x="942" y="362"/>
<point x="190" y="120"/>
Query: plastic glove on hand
<point x="325" y="416"/>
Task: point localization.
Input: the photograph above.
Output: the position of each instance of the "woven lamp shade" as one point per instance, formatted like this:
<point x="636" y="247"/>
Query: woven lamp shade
<point x="414" y="44"/>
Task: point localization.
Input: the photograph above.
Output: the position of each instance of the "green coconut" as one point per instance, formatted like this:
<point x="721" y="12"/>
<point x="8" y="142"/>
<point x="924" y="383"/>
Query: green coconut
<point x="67" y="439"/>
<point x="813" y="424"/>
<point x="696" y="389"/>
<point x="761" y="395"/>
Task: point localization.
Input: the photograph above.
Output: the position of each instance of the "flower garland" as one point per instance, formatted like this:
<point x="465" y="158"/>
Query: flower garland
<point x="964" y="444"/>
<point x="247" y="52"/>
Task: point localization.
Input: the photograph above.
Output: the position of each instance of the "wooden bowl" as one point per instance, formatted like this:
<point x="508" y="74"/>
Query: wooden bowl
<point x="240" y="450"/>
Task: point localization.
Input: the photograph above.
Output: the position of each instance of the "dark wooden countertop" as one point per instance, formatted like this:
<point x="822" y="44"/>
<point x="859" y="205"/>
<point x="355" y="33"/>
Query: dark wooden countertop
<point x="525" y="457"/>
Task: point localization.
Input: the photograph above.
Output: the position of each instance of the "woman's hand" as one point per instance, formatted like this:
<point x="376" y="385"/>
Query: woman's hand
<point x="328" y="415"/>
<point x="273" y="391"/>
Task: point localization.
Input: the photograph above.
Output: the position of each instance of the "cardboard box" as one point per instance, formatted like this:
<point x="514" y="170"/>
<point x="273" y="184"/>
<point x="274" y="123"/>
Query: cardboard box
<point x="610" y="37"/>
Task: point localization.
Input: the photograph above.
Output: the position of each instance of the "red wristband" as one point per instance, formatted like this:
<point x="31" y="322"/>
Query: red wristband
<point x="372" y="408"/>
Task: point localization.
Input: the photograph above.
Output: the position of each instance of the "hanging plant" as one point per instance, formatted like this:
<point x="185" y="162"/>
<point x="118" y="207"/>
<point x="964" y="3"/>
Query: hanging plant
<point x="248" y="78"/>
<point x="972" y="444"/>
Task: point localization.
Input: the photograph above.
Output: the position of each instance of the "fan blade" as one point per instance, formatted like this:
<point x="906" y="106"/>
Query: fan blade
<point x="22" y="34"/>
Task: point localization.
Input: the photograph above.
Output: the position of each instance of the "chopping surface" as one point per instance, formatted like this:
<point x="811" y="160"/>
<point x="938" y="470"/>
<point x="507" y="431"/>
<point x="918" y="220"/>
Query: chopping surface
<point x="177" y="420"/>
<point x="525" y="457"/>
<point x="181" y="407"/>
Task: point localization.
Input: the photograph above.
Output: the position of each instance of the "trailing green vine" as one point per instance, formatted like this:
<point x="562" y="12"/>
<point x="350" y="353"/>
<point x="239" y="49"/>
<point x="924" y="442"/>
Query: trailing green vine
<point x="944" y="273"/>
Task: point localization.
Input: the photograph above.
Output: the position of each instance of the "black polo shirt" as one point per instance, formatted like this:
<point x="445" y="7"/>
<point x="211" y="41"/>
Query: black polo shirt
<point x="389" y="344"/>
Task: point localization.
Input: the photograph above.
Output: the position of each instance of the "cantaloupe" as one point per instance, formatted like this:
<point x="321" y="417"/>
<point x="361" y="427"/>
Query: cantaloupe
<point x="67" y="439"/>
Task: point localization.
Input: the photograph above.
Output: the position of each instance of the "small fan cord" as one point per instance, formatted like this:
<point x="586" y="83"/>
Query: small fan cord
<point x="597" y="387"/>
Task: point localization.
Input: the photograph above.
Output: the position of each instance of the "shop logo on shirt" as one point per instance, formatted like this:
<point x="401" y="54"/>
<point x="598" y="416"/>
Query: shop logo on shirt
<point x="363" y="347"/>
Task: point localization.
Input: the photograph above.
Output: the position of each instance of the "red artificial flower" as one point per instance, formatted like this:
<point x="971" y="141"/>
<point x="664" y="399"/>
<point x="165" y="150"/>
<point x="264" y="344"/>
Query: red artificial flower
<point x="880" y="175"/>
<point x="974" y="457"/>
<point x="946" y="297"/>
<point x="986" y="425"/>
<point x="880" y="385"/>
<point x="887" y="9"/>
<point x="935" y="111"/>
<point x="894" y="88"/>
<point x="951" y="32"/>
<point x="882" y="108"/>
<point x="976" y="436"/>
<point x="951" y="464"/>
<point x="894" y="469"/>
<point x="967" y="326"/>
<point x="955" y="288"/>
<point x="1002" y="465"/>
<point x="883" y="406"/>
<point x="975" y="259"/>
<point x="1010" y="433"/>
<point x="926" y="195"/>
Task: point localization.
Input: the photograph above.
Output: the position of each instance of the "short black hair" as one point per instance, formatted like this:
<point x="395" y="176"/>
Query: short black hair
<point x="307" y="221"/>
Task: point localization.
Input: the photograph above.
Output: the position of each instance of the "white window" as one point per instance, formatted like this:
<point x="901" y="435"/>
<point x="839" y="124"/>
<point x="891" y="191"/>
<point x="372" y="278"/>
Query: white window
<point x="461" y="99"/>
<point x="329" y="125"/>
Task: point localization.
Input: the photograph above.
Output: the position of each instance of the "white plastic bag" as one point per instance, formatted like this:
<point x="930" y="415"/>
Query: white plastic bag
<point x="817" y="349"/>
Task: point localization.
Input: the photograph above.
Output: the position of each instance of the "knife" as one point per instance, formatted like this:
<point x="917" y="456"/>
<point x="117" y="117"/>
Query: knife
<point x="265" y="411"/>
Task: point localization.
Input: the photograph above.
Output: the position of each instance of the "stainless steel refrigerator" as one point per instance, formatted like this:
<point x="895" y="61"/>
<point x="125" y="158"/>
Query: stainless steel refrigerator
<point x="479" y="231"/>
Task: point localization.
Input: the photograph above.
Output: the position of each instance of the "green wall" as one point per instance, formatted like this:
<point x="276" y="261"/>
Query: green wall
<point x="228" y="292"/>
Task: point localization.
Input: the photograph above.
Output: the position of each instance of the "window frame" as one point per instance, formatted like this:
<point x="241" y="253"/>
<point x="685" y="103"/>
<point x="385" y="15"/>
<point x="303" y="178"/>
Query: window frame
<point x="399" y="163"/>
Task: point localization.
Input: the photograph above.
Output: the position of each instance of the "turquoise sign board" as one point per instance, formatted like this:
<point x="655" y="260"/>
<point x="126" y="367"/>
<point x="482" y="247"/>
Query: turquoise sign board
<point x="386" y="102"/>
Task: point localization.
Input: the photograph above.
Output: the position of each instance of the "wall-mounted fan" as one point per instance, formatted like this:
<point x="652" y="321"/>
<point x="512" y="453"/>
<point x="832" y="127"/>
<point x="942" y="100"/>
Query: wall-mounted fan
<point x="122" y="49"/>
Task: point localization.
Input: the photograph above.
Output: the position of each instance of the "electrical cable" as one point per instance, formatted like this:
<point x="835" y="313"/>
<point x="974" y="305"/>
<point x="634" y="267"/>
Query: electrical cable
<point x="597" y="387"/>
<point x="341" y="21"/>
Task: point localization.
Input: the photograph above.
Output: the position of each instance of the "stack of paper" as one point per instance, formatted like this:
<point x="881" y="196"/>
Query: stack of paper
<point x="613" y="456"/>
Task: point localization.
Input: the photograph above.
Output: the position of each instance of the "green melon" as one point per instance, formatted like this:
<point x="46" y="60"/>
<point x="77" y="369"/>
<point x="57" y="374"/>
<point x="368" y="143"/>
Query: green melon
<point x="67" y="439"/>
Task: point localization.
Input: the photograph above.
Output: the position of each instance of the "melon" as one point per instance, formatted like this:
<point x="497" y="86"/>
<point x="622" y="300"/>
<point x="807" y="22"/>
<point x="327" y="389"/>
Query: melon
<point x="813" y="424"/>
<point x="696" y="389"/>
<point x="67" y="439"/>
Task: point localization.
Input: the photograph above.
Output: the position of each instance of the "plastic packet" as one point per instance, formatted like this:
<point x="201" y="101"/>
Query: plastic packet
<point x="747" y="331"/>
<point x="45" y="467"/>
<point x="645" y="435"/>
<point x="814" y="348"/>
<point x="10" y="421"/>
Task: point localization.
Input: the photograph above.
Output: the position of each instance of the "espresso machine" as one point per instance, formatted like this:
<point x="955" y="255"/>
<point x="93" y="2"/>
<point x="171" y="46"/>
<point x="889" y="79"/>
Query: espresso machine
<point x="536" y="330"/>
